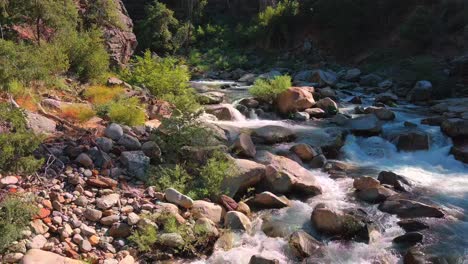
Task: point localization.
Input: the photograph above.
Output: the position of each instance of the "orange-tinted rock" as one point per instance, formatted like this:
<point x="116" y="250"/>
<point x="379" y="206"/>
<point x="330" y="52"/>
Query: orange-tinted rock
<point x="294" y="99"/>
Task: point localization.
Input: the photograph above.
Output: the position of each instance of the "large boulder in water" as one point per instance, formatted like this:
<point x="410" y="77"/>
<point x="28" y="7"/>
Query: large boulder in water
<point x="460" y="151"/>
<point x="268" y="200"/>
<point x="368" y="125"/>
<point x="334" y="222"/>
<point x="410" y="209"/>
<point x="209" y="98"/>
<point x="422" y="91"/>
<point x="294" y="99"/>
<point x="386" y="98"/>
<point x="381" y="113"/>
<point x="398" y="182"/>
<point x="284" y="175"/>
<point x="273" y="134"/>
<point x="412" y="141"/>
<point x="247" y="174"/>
<point x="225" y="112"/>
<point x="237" y="221"/>
<point x="455" y="127"/>
<point x="327" y="105"/>
<point x="244" y="146"/>
<point x="304" y="245"/>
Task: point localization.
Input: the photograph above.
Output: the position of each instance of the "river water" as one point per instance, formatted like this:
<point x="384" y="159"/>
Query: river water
<point x="435" y="175"/>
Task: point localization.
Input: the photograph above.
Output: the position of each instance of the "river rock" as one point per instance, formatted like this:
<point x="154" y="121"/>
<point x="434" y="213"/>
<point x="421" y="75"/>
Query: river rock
<point x="105" y="144"/>
<point x="409" y="239"/>
<point x="204" y="209"/>
<point x="375" y="194"/>
<point x="258" y="259"/>
<point x="365" y="182"/>
<point x="237" y="221"/>
<point x="370" y="80"/>
<point x="268" y="200"/>
<point x="411" y="225"/>
<point x="152" y="150"/>
<point x="107" y="201"/>
<point x="171" y="240"/>
<point x="247" y="174"/>
<point x="284" y="175"/>
<point x="381" y="113"/>
<point x="422" y="91"/>
<point x="84" y="160"/>
<point x="385" y="85"/>
<point x="304" y="245"/>
<point x="225" y="112"/>
<point x="356" y="100"/>
<point x="244" y="146"/>
<point x="315" y="112"/>
<point x="352" y="75"/>
<point x="304" y="151"/>
<point x="294" y="99"/>
<point x="460" y="150"/>
<point x="228" y="203"/>
<point x="410" y="209"/>
<point x="324" y="78"/>
<point x="114" y="131"/>
<point x="333" y="222"/>
<point x="205" y="227"/>
<point x="327" y="92"/>
<point x="398" y="182"/>
<point x="211" y="98"/>
<point x="455" y="127"/>
<point x="37" y="256"/>
<point x="273" y="134"/>
<point x="327" y="105"/>
<point x="136" y="163"/>
<point x="367" y="125"/>
<point x="109" y="220"/>
<point x="413" y="141"/>
<point x="37" y="242"/>
<point x="414" y="256"/>
<point x="129" y="142"/>
<point x="120" y="230"/>
<point x="269" y="75"/>
<point x="249" y="102"/>
<point x="386" y="98"/>
<point x="92" y="215"/>
<point x="40" y="124"/>
<point x="175" y="197"/>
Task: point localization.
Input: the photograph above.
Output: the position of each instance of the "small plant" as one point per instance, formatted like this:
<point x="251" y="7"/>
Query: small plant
<point x="100" y="94"/>
<point x="126" y="111"/>
<point x="17" y="144"/>
<point x="170" y="177"/>
<point x="79" y="113"/>
<point x="145" y="239"/>
<point x="15" y="214"/>
<point x="267" y="90"/>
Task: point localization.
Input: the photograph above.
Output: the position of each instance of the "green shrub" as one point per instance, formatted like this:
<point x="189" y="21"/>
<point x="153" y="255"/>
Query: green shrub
<point x="15" y="214"/>
<point x="267" y="90"/>
<point x="145" y="239"/>
<point x="166" y="78"/>
<point x="126" y="111"/>
<point x="170" y="177"/>
<point x="18" y="144"/>
<point x="99" y="94"/>
<point x="103" y="13"/>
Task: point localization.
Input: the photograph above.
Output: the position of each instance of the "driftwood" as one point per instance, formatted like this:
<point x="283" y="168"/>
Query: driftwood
<point x="61" y="120"/>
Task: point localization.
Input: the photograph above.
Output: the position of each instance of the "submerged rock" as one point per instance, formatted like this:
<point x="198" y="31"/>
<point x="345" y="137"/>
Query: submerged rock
<point x="410" y="209"/>
<point x="412" y="141"/>
<point x="258" y="259"/>
<point x="381" y="113"/>
<point x="273" y="134"/>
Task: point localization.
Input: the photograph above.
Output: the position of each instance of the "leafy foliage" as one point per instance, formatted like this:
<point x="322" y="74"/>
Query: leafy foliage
<point x="218" y="168"/>
<point x="126" y="111"/>
<point x="100" y="94"/>
<point x="102" y="13"/>
<point x="166" y="78"/>
<point x="15" y="214"/>
<point x="145" y="239"/>
<point x="267" y="90"/>
<point x="17" y="144"/>
<point x="170" y="177"/>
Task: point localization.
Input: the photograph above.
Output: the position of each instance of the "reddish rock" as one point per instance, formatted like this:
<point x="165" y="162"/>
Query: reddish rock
<point x="228" y="203"/>
<point x="294" y="99"/>
<point x="43" y="213"/>
<point x="102" y="182"/>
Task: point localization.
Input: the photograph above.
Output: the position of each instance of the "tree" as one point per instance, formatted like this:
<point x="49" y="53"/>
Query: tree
<point x="103" y="12"/>
<point x="43" y="15"/>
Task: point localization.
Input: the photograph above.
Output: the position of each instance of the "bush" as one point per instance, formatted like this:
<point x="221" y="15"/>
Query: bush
<point x="267" y="90"/>
<point x="15" y="214"/>
<point x="145" y="239"/>
<point x="17" y="144"/>
<point x="166" y="78"/>
<point x="127" y="111"/>
<point x="170" y="177"/>
<point x="218" y="168"/>
<point x="100" y="94"/>
<point x="78" y="113"/>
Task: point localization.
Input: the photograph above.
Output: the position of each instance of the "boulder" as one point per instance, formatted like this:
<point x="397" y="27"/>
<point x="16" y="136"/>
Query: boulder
<point x="304" y="151"/>
<point x="284" y="175"/>
<point x="268" y="200"/>
<point x="228" y="203"/>
<point x="249" y="102"/>
<point x="381" y="113"/>
<point x="258" y="259"/>
<point x="294" y="99"/>
<point x="460" y="151"/>
<point x="315" y="112"/>
<point x="410" y="209"/>
<point x="247" y="174"/>
<point x="136" y="163"/>
<point x="237" y="221"/>
<point x="84" y="160"/>
<point x="386" y="98"/>
<point x="422" y="91"/>
<point x="365" y="182"/>
<point x="327" y="105"/>
<point x="367" y="125"/>
<point x="205" y="227"/>
<point x="129" y="142"/>
<point x="455" y="127"/>
<point x="273" y="134"/>
<point x="301" y="116"/>
<point x="171" y="240"/>
<point x="107" y="201"/>
<point x="333" y="222"/>
<point x="204" y="209"/>
<point x="92" y="215"/>
<point x="224" y="112"/>
<point x="385" y="85"/>
<point x="209" y="98"/>
<point x="324" y="78"/>
<point x="244" y="146"/>
<point x="327" y="92"/>
<point x="356" y="100"/>
<point x="433" y="120"/>
<point x="269" y="75"/>
<point x="398" y="182"/>
<point x="352" y="75"/>
<point x="411" y="225"/>
<point x="120" y="230"/>
<point x="113" y="131"/>
<point x="152" y="150"/>
<point x="105" y="144"/>
<point x="375" y="194"/>
<point x="40" y="124"/>
<point x="413" y="141"/>
<point x="175" y="197"/>
<point x="409" y="239"/>
<point x="304" y="245"/>
<point x="37" y="256"/>
<point x="414" y="256"/>
<point x="370" y="80"/>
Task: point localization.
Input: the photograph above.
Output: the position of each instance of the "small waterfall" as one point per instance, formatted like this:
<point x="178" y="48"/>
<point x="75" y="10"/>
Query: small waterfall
<point x="253" y="115"/>
<point x="236" y="115"/>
